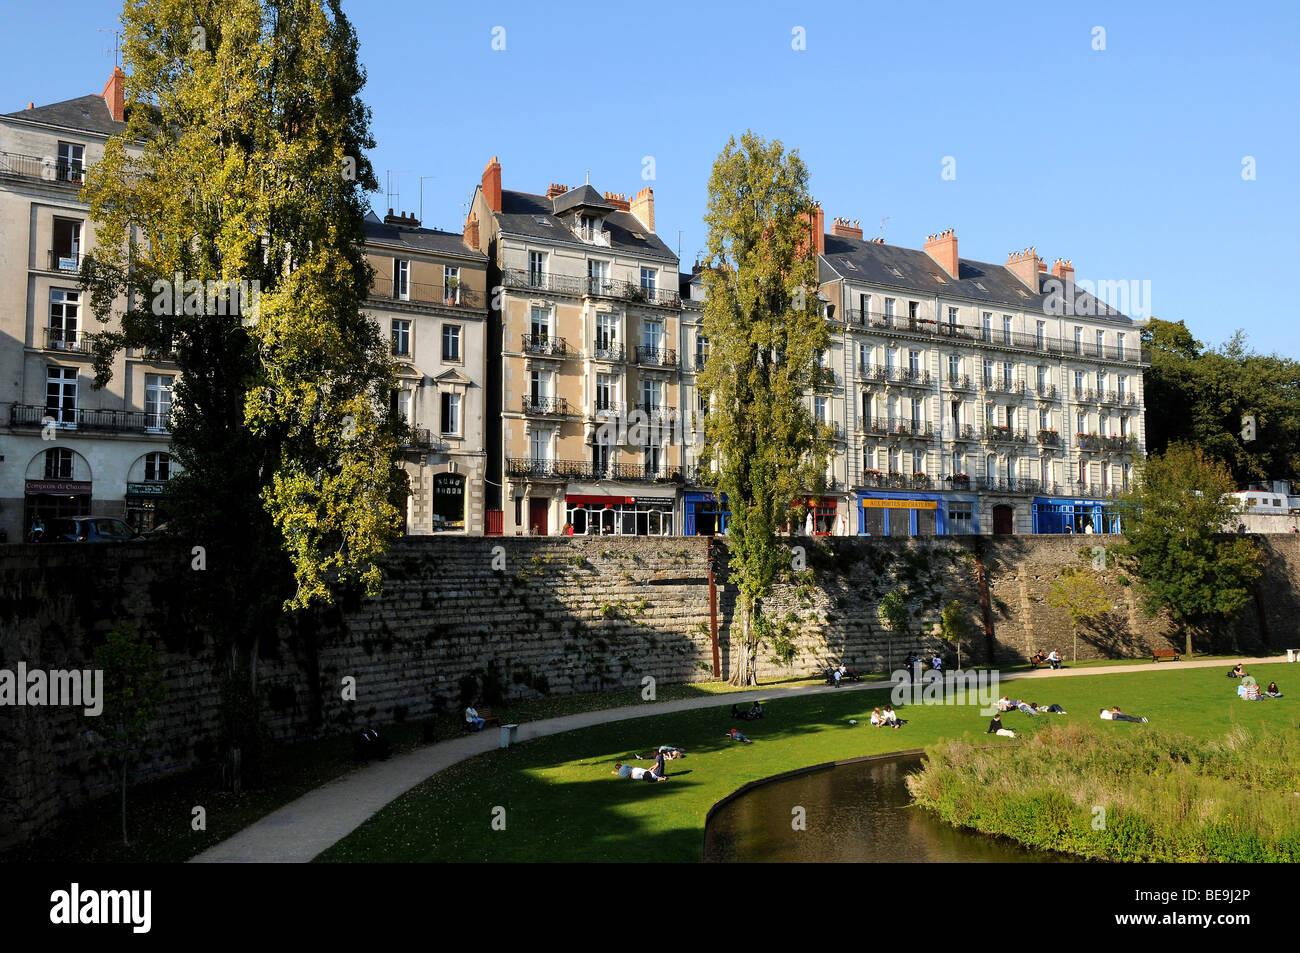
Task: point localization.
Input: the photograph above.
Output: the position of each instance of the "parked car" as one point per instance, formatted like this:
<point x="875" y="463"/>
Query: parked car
<point x="89" y="529"/>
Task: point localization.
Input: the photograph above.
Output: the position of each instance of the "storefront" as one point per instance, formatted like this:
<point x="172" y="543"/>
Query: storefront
<point x="822" y="510"/>
<point x="705" y="516"/>
<point x="145" y="505"/>
<point x="448" y="502"/>
<point x="1053" y="515"/>
<point x="916" y="514"/>
<point x="602" y="515"/>
<point x="52" y="499"/>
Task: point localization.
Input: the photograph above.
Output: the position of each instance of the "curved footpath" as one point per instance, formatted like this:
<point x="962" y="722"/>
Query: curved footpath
<point x="301" y="829"/>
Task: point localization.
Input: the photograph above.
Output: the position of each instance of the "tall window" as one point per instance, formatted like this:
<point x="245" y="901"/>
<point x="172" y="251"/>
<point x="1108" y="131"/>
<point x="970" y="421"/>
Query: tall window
<point x="652" y="336"/>
<point x="604" y="391"/>
<point x="65" y="312"/>
<point x="451" y="284"/>
<point x="918" y="413"/>
<point x="401" y="279"/>
<point x="158" y="401"/>
<point x="66" y="251"/>
<point x="61" y="395"/>
<point x="401" y="338"/>
<point x="1101" y="383"/>
<point x="157" y="467"/>
<point x="1006" y="374"/>
<point x="1006" y="329"/>
<point x="606" y="331"/>
<point x="1042" y="379"/>
<point x="1081" y="422"/>
<point x="819" y="410"/>
<point x="58" y="464"/>
<point x="1122" y="384"/>
<point x="539" y="443"/>
<point x="954" y="368"/>
<point x="1044" y="419"/>
<point x="986" y="328"/>
<point x="1078" y="340"/>
<point x="1101" y="340"/>
<point x="914" y="363"/>
<point x="450" y="413"/>
<point x="451" y="342"/>
<point x="401" y="405"/>
<point x="1040" y="335"/>
<point x="541" y="324"/>
<point x="701" y="351"/>
<point x="598" y="276"/>
<point x="652" y="396"/>
<point x="537" y="269"/>
<point x="952" y="317"/>
<point x="1119" y="346"/>
<point x="539" y="385"/>
<point x="1078" y="384"/>
<point x="889" y="312"/>
<point x="988" y="373"/>
<point x="72" y="161"/>
<point x="649" y="277"/>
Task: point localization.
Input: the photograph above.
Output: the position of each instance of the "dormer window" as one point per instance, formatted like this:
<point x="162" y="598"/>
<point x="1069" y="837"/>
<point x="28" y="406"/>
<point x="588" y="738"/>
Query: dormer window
<point x="589" y="228"/>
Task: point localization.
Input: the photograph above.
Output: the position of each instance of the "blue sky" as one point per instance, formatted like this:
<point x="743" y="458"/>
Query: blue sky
<point x="1127" y="160"/>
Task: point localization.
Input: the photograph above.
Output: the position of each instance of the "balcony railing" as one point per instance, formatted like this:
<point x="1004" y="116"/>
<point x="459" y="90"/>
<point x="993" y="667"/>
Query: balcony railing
<point x="590" y="287"/>
<point x="46" y="169"/>
<point x="1000" y="386"/>
<point x="545" y="345"/>
<point x="898" y="427"/>
<point x="608" y="410"/>
<point x="1015" y="340"/>
<point x="1049" y="438"/>
<point x="420" y="293"/>
<point x="1001" y="434"/>
<point x="1046" y="392"/>
<point x="961" y="382"/>
<point x="69" y="261"/>
<point x="658" y="413"/>
<point x="904" y="376"/>
<point x="545" y="406"/>
<point x="656" y="356"/>
<point x="65" y="339"/>
<point x="424" y="439"/>
<point x="965" y="432"/>
<point x="1011" y="485"/>
<point x="108" y="421"/>
<point x="519" y="467"/>
<point x="609" y="351"/>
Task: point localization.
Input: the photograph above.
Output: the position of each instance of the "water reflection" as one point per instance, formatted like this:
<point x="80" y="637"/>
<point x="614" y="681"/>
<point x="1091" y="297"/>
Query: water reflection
<point x="854" y="813"/>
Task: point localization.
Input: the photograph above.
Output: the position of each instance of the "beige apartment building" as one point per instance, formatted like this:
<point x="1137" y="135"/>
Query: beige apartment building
<point x="430" y="298"/>
<point x="584" y="360"/>
<point x="67" y="449"/>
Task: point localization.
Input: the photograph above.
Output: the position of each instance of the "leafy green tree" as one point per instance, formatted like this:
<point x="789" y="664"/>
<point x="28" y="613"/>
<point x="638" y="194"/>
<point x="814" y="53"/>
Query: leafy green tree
<point x="1082" y="597"/>
<point x="1175" y="541"/>
<point x="955" y="626"/>
<point x="242" y="178"/>
<point x="766" y="330"/>
<point x="895" y="619"/>
<point x="133" y="690"/>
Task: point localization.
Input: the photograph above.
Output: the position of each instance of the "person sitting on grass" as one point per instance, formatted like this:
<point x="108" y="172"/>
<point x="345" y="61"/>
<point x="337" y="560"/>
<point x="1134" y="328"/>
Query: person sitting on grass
<point x="735" y="735"/>
<point x="1237" y="671"/>
<point x="880" y="721"/>
<point x="995" y="727"/>
<point x="755" y="711"/>
<point x="473" y="720"/>
<point x="1272" y="691"/>
<point x="1250" y="691"/>
<point x="636" y="774"/>
<point x="1005" y="704"/>
<point x="1114" y="714"/>
<point x="890" y="716"/>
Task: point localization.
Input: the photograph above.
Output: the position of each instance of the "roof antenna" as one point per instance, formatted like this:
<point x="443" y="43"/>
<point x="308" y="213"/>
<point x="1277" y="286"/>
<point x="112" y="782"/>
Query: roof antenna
<point x="883" y="220"/>
<point x="117" y="45"/>
<point x="589" y="177"/>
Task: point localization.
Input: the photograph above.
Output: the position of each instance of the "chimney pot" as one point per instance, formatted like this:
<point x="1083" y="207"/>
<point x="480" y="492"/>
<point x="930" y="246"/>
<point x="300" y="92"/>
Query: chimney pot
<point x="942" y="247"/>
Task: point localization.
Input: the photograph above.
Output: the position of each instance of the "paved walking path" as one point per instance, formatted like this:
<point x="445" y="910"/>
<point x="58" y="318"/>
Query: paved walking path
<point x="300" y="830"/>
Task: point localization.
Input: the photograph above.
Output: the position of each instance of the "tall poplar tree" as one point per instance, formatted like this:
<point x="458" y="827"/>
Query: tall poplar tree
<point x="229" y="231"/>
<point x="766" y="331"/>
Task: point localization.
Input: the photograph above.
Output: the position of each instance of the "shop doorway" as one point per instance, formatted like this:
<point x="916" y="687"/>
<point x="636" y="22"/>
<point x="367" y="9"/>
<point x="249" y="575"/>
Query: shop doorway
<point x="538" y="516"/>
<point x="1003" y="520"/>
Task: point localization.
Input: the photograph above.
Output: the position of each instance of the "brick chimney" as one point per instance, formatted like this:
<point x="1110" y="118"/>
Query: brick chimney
<point x="114" y="95"/>
<point x="1025" y="266"/>
<point x="471" y="231"/>
<point x="841" y="228"/>
<point x="492" y="184"/>
<point x="817" y="225"/>
<point x="943" y="249"/>
<point x="1063" y="268"/>
<point x="409" y="221"/>
<point x="556" y="189"/>
<point x="643" y="207"/>
<point x="619" y="201"/>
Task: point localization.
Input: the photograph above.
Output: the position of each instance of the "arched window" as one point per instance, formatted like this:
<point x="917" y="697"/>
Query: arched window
<point x="157" y="467"/>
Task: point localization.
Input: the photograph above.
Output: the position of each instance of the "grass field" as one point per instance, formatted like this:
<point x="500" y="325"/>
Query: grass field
<point x="561" y="802"/>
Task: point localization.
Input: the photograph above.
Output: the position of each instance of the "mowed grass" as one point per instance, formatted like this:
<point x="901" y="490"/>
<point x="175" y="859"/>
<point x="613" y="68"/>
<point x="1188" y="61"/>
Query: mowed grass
<point x="559" y="801"/>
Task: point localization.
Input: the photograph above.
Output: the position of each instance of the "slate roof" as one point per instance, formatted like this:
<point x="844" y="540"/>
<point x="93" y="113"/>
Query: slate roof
<point x="533" y="216"/>
<point x="85" y="114"/>
<point x="874" y="263"/>
<point x="420" y="239"/>
<point x="584" y="196"/>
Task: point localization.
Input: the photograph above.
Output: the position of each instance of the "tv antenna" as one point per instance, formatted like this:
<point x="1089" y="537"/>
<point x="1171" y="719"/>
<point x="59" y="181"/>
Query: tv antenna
<point x="391" y="191"/>
<point x="883" y="220"/>
<point x="117" y="45"/>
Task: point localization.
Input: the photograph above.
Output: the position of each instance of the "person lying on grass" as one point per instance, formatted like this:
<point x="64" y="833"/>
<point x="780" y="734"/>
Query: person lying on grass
<point x="671" y="752"/>
<point x="995" y="727"/>
<point x="735" y="735"/>
<point x="1053" y="709"/>
<point x="1114" y="714"/>
<point x="636" y="774"/>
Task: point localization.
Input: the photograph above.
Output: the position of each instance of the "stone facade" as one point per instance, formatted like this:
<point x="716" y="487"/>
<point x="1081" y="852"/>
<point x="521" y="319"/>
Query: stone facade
<point x="541" y="615"/>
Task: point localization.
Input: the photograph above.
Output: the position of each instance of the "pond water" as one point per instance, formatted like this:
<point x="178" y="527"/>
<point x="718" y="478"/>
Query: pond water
<point x="855" y="813"/>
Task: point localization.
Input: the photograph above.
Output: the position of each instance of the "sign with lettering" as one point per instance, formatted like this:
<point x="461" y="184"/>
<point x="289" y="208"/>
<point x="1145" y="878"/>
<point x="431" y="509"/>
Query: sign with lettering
<point x="69" y="487"/>
<point x="901" y="504"/>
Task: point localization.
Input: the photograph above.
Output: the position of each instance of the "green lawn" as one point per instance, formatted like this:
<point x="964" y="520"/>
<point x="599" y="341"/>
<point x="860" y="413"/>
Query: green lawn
<point x="562" y="803"/>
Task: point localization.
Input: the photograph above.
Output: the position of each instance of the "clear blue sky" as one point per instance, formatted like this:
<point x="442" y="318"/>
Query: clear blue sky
<point x="1127" y="160"/>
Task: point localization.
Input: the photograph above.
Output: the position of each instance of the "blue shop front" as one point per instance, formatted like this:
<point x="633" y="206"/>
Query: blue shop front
<point x="897" y="513"/>
<point x="705" y="514"/>
<point x="1059" y="515"/>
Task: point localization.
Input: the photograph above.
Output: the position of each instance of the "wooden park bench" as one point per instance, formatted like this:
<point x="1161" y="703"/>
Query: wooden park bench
<point x="1165" y="655"/>
<point x="489" y="719"/>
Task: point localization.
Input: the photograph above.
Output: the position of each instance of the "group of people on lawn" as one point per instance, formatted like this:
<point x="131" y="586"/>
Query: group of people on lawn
<point x="1249" y="688"/>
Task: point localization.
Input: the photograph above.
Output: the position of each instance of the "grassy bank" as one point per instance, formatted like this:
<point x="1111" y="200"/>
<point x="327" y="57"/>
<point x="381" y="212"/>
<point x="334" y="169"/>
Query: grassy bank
<point x="561" y="802"/>
<point x="1145" y="795"/>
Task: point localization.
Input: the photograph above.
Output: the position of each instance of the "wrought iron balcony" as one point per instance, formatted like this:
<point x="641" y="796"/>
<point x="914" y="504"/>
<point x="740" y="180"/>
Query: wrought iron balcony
<point x="105" y="421"/>
<point x="1012" y="485"/>
<point x="590" y="287"/>
<point x="545" y="345"/>
<point x="1002" y="434"/>
<point x="1046" y="392"/>
<point x="903" y="376"/>
<point x="532" y="468"/>
<point x="420" y="293"/>
<point x="1087" y="441"/>
<point x="658" y="413"/>
<point x="545" y="406"/>
<point x="1049" y="438"/>
<point x="961" y="382"/>
<point x="423" y="439"/>
<point x="69" y="339"/>
<point x="656" y="356"/>
<point x="965" y="432"/>
<point x="609" y="351"/>
<point x="898" y="427"/>
<point x="608" y="410"/>
<point x="46" y="169"/>
<point x="1001" y="386"/>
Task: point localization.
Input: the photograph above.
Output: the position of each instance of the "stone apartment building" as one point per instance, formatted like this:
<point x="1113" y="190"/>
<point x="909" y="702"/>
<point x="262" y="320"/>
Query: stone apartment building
<point x="66" y="448"/>
<point x="584" y="360"/>
<point x="430" y="298"/>
<point x="973" y="397"/>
